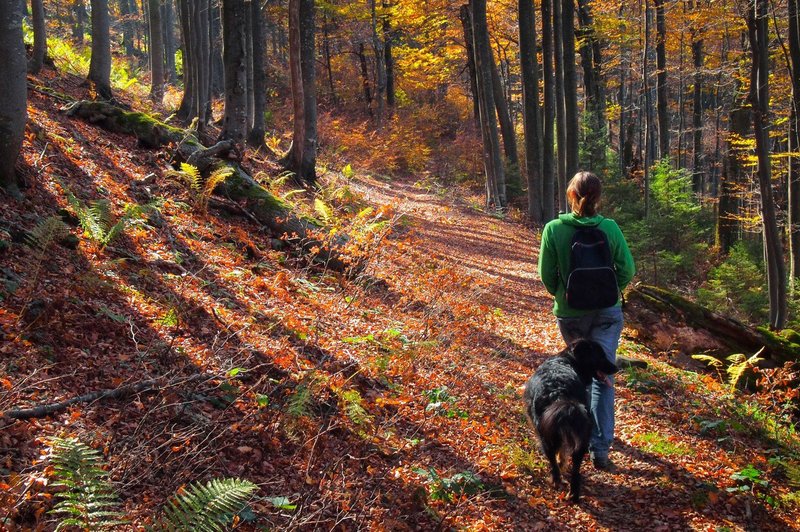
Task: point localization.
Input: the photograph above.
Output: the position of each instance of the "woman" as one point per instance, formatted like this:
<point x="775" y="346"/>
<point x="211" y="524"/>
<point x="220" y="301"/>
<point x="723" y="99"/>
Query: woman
<point x="603" y="325"/>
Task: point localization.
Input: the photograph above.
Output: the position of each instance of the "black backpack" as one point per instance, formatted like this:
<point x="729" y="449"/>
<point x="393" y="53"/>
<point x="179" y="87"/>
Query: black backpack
<point x="591" y="283"/>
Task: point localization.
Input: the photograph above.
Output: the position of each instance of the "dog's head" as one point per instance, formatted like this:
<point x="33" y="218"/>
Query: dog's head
<point x="590" y="361"/>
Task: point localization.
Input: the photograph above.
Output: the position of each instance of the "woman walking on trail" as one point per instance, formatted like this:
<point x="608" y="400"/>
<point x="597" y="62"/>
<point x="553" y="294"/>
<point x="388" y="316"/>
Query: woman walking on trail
<point x="584" y="308"/>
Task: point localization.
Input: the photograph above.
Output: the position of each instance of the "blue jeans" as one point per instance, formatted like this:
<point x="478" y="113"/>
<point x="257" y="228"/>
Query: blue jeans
<point x="603" y="326"/>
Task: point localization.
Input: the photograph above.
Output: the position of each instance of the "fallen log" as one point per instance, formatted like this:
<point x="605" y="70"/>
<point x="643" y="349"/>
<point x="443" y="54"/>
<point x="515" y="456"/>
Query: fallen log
<point x="651" y="308"/>
<point x="301" y="232"/>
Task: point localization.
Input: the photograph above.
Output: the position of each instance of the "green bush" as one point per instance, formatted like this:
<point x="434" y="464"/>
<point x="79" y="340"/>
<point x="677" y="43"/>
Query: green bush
<point x="737" y="286"/>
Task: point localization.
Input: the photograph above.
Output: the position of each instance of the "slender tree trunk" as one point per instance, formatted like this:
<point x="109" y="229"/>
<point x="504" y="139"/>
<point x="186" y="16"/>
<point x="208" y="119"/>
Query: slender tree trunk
<point x="168" y="20"/>
<point x="188" y="104"/>
<point x="561" y="120"/>
<point x="234" y="20"/>
<point x="256" y="135"/>
<point x="302" y="157"/>
<point x="365" y="84"/>
<point x="39" y="37"/>
<point x="570" y="89"/>
<point x="100" y="64"/>
<point x="697" y="117"/>
<point x="388" y="36"/>
<point x="661" y="81"/>
<point x="732" y="179"/>
<point x="156" y="50"/>
<point x="466" y="22"/>
<point x="647" y="112"/>
<point x="495" y="178"/>
<point x="548" y="115"/>
<point x="326" y="50"/>
<point x="79" y="18"/>
<point x="530" y="105"/>
<point x="127" y="26"/>
<point x="757" y="24"/>
<point x="217" y="74"/>
<point x="596" y="134"/>
<point x="13" y="87"/>
<point x="506" y="126"/>
<point x="380" y="65"/>
<point x="794" y="142"/>
<point x="251" y="95"/>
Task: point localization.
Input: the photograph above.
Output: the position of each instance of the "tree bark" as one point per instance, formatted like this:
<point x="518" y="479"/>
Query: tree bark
<point x="757" y="24"/>
<point x="79" y="18"/>
<point x="302" y="156"/>
<point x="560" y="105"/>
<point x="697" y="117"/>
<point x="504" y="118"/>
<point x="39" y="37"/>
<point x="13" y="87"/>
<point x="466" y="23"/>
<point x="732" y="178"/>
<point x="388" y="36"/>
<point x="794" y="142"/>
<point x="256" y="135"/>
<point x="234" y="122"/>
<point x="365" y="84"/>
<point x="380" y="65"/>
<point x="596" y="137"/>
<point x="572" y="123"/>
<point x="168" y="22"/>
<point x="186" y="110"/>
<point x="548" y="115"/>
<point x="127" y="24"/>
<point x="661" y="81"/>
<point x="530" y="105"/>
<point x="156" y="50"/>
<point x="493" y="164"/>
<point x="100" y="64"/>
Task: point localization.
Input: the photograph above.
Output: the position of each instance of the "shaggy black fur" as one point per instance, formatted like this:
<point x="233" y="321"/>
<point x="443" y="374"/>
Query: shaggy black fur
<point x="556" y="402"/>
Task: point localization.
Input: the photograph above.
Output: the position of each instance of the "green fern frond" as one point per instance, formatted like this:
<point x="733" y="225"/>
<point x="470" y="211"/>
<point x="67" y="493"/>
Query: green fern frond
<point x="191" y="174"/>
<point x="354" y="407"/>
<point x="289" y="195"/>
<point x="299" y="403"/>
<point x="47" y="231"/>
<point x="210" y="507"/>
<point x="217" y="177"/>
<point x="281" y="180"/>
<point x="88" y="500"/>
<point x="740" y="364"/>
<point x="709" y="360"/>
<point x="324" y="210"/>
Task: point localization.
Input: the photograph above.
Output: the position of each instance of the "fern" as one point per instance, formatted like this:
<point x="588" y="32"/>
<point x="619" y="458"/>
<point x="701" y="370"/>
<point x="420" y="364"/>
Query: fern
<point x="709" y="360"/>
<point x="190" y="174"/>
<point x="89" y="499"/>
<point x="324" y="210"/>
<point x="299" y="403"/>
<point x="98" y="222"/>
<point x="206" y="508"/>
<point x="354" y="407"/>
<point x="46" y="232"/>
<point x="740" y="364"/>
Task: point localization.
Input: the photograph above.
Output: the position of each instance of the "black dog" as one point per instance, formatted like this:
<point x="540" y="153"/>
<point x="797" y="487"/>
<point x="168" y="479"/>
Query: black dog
<point x="556" y="402"/>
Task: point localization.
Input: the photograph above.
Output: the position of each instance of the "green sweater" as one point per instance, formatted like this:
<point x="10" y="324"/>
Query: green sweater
<point x="554" y="257"/>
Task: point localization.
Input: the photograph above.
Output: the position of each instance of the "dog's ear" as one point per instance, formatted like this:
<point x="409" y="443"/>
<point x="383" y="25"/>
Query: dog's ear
<point x="582" y="349"/>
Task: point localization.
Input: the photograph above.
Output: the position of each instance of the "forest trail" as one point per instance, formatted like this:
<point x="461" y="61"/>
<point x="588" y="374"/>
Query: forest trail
<point x="665" y="474"/>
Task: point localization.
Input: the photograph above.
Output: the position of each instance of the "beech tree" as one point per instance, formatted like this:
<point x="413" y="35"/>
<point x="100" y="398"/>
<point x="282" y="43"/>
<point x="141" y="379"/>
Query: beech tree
<point x="39" y="37"/>
<point x="13" y="88"/>
<point x="100" y="64"/>
<point x="530" y="103"/>
<point x="156" y="49"/>
<point x="234" y="26"/>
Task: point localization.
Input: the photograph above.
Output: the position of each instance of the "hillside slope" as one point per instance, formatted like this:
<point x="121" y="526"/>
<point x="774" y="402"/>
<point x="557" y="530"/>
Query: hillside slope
<point x="390" y="401"/>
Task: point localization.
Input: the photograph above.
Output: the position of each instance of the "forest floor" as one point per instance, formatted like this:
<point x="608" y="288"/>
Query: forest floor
<point x="390" y="401"/>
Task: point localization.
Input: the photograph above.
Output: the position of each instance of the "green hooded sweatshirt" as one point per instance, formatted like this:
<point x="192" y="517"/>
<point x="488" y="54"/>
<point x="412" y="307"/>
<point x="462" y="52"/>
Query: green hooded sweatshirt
<point x="554" y="257"/>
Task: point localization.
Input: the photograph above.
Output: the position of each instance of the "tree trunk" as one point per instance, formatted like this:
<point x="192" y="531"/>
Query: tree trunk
<point x="380" y="65"/>
<point x="561" y="120"/>
<point x="186" y="110"/>
<point x="256" y="136"/>
<point x="530" y="105"/>
<point x="39" y="37"/>
<point x="234" y="20"/>
<point x="365" y="84"/>
<point x="326" y="50"/>
<point x="302" y="156"/>
<point x="127" y="26"/>
<point x="595" y="139"/>
<point x="493" y="164"/>
<point x="168" y="19"/>
<point x="156" y="50"/>
<point x="548" y="115"/>
<point x="661" y="81"/>
<point x="466" y="23"/>
<point x="697" y="117"/>
<point x="13" y="87"/>
<point x="757" y="24"/>
<point x="571" y="118"/>
<point x="100" y="64"/>
<point x="794" y="142"/>
<point x="652" y="308"/>
<point x="732" y="179"/>
<point x="388" y="36"/>
<point x="217" y="69"/>
<point x="79" y="18"/>
<point x="506" y="126"/>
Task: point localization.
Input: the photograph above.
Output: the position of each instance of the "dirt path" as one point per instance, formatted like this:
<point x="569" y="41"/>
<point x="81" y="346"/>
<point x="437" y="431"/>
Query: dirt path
<point x="669" y="475"/>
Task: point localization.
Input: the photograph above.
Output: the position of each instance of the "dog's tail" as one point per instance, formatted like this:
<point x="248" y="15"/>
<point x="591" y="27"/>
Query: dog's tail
<point x="566" y="421"/>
